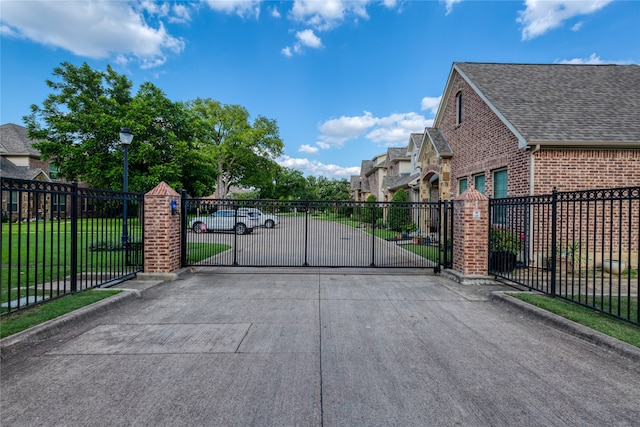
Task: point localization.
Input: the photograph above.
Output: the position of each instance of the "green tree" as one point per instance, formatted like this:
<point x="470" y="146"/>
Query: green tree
<point x="78" y="124"/>
<point x="241" y="152"/>
<point x="399" y="213"/>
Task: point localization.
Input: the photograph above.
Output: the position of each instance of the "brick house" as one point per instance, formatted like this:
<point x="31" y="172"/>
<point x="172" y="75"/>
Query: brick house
<point x="19" y="159"/>
<point x="524" y="129"/>
<point x="370" y="180"/>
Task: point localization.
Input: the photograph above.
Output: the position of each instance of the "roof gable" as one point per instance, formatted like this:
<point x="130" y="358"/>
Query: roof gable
<point x="14" y="139"/>
<point x="558" y="103"/>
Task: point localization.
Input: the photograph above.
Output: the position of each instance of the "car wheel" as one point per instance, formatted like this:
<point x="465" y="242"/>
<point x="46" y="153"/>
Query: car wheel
<point x="197" y="227"/>
<point x="241" y="228"/>
<point x="269" y="223"/>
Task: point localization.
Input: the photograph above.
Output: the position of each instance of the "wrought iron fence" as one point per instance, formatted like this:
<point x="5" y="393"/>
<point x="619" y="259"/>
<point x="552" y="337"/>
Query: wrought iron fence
<point x="315" y="233"/>
<point x="581" y="246"/>
<point x="59" y="239"/>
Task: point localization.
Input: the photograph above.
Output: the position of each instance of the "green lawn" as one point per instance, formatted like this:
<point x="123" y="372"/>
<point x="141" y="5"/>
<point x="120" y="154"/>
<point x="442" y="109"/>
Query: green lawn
<point x="40" y="252"/>
<point x="199" y="251"/>
<point x="25" y="319"/>
<point x="606" y="324"/>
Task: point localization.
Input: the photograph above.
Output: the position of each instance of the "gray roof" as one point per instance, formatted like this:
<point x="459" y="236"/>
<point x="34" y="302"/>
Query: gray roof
<point x="439" y="142"/>
<point x="397" y="154"/>
<point x="355" y="182"/>
<point x="366" y="166"/>
<point x="14" y="140"/>
<point x="10" y="170"/>
<point x="560" y="102"/>
<point x="400" y="181"/>
<point x="416" y="138"/>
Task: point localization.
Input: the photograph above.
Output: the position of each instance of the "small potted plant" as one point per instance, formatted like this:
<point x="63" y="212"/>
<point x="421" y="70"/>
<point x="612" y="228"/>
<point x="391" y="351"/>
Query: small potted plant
<point x="504" y="247"/>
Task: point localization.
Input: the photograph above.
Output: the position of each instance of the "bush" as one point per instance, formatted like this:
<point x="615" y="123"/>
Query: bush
<point x="399" y="213"/>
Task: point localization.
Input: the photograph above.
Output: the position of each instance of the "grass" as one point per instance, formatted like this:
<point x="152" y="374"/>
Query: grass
<point x="199" y="251"/>
<point x="25" y="319"/>
<point x="606" y="324"/>
<point x="42" y="250"/>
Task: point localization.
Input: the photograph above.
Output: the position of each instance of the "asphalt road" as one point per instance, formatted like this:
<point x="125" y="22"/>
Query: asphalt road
<point x="309" y="241"/>
<point x="266" y="347"/>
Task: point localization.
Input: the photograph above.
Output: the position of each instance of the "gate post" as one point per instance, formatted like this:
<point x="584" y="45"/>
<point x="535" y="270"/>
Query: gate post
<point x="470" y="239"/>
<point x="162" y="231"/>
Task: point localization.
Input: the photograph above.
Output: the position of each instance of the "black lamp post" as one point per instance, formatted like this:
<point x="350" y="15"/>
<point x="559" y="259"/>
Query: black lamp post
<point x="126" y="136"/>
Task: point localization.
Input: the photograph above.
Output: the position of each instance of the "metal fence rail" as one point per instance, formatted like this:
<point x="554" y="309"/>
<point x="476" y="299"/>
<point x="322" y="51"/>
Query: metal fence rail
<point x="581" y="246"/>
<point x="59" y="239"/>
<point x="315" y="233"/>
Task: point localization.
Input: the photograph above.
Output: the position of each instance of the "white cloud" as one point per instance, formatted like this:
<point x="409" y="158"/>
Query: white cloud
<point x="309" y="39"/>
<point x="326" y="15"/>
<point x="542" y="16"/>
<point x="312" y="167"/>
<point x="390" y="130"/>
<point x="593" y="60"/>
<point x="286" y="51"/>
<point x="243" y="8"/>
<point x="305" y="148"/>
<point x="449" y="4"/>
<point x="275" y="12"/>
<point x="430" y="103"/>
<point x="577" y="26"/>
<point x="93" y="29"/>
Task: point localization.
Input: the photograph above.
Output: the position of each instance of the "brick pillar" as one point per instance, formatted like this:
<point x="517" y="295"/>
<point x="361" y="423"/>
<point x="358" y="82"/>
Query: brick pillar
<point x="161" y="230"/>
<point x="470" y="238"/>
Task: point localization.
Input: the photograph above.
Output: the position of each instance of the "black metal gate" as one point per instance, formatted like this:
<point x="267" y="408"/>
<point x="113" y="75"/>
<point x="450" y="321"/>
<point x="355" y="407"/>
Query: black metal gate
<point x="316" y="233"/>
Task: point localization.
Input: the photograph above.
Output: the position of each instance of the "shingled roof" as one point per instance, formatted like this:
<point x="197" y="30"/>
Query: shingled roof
<point x="397" y="154"/>
<point x="10" y="170"/>
<point x="15" y="140"/>
<point x="560" y="103"/>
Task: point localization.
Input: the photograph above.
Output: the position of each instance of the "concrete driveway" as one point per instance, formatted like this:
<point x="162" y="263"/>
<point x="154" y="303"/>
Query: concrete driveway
<point x="266" y="347"/>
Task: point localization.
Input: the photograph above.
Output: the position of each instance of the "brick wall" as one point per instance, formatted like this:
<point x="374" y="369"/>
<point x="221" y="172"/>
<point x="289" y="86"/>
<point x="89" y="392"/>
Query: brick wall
<point x="470" y="233"/>
<point x="161" y="230"/>
<point x="570" y="170"/>
<point x="482" y="143"/>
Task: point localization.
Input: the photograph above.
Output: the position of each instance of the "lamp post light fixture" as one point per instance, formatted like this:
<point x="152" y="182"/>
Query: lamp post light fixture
<point x="126" y="136"/>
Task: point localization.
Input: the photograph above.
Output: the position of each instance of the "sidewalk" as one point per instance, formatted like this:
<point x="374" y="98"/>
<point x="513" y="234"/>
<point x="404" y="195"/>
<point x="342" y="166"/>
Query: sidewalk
<point x="284" y="347"/>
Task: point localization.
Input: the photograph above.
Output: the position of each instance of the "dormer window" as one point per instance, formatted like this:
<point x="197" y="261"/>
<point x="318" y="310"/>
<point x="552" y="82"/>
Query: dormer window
<point x="458" y="108"/>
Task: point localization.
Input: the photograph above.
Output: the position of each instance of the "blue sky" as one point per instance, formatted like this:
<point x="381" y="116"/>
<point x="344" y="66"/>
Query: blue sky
<point x="345" y="80"/>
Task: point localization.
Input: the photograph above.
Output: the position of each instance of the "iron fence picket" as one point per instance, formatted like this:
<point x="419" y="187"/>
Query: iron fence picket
<point x="569" y="238"/>
<point x="54" y="245"/>
<point x="317" y="233"/>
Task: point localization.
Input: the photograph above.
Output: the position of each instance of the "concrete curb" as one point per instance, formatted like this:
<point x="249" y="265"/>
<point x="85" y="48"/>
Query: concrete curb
<point x="41" y="332"/>
<point x="568" y="326"/>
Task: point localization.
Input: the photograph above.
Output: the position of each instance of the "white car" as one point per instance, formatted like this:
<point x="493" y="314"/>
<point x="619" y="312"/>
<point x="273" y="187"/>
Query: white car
<point x="264" y="220"/>
<point x="227" y="220"/>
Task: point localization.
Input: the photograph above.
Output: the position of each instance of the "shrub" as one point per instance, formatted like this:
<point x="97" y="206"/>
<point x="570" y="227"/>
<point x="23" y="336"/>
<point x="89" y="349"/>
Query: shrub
<point x="506" y="241"/>
<point x="399" y="213"/>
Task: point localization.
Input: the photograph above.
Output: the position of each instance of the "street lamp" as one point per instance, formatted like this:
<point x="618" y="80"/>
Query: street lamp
<point x="126" y="136"/>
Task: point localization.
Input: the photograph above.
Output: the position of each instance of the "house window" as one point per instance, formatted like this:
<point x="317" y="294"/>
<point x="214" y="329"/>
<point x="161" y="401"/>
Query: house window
<point x="458" y="108"/>
<point x="53" y="171"/>
<point x="500" y="192"/>
<point x="87" y="205"/>
<point x="478" y="183"/>
<point x="462" y="185"/>
<point x="500" y="184"/>
<point x="58" y="203"/>
<point x="12" y="204"/>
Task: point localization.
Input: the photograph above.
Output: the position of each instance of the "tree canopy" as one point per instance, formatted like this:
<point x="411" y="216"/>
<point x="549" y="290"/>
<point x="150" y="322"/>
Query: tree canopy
<point x="201" y="145"/>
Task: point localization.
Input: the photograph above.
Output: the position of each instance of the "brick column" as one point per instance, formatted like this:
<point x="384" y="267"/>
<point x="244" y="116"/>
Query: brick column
<point x="161" y="230"/>
<point x="470" y="238"/>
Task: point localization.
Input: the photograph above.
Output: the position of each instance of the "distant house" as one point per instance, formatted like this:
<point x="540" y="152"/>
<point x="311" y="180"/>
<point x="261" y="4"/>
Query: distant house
<point x="402" y="172"/>
<point x="19" y="159"/>
<point x="524" y="129"/>
<point x="18" y="156"/>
